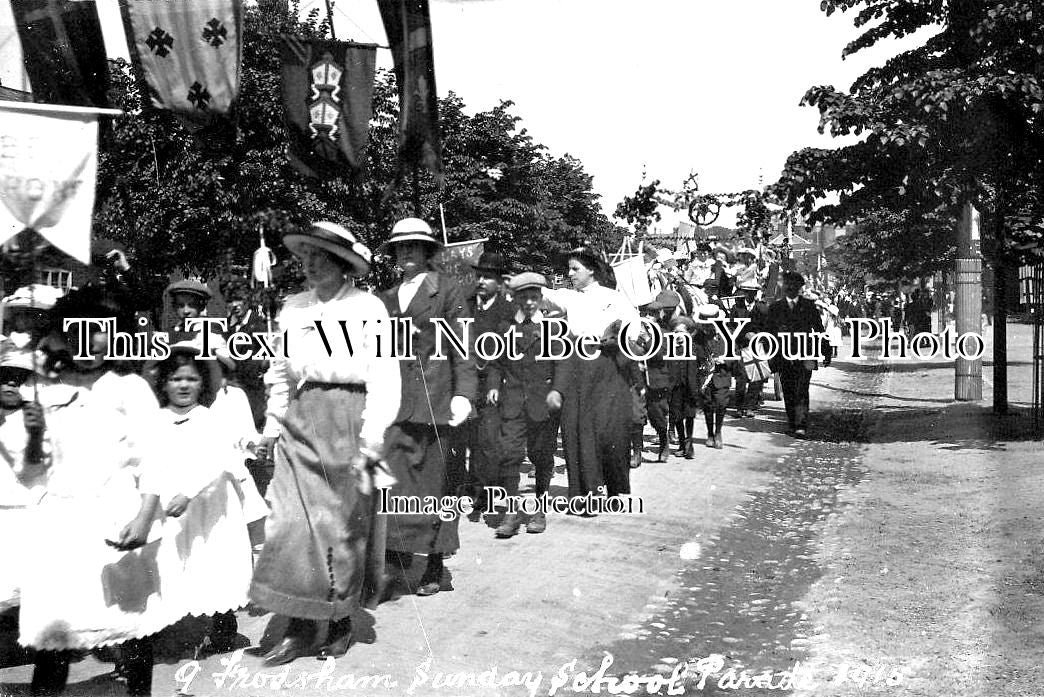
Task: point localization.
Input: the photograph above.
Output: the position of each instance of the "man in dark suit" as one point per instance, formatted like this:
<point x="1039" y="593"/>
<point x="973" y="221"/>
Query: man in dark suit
<point x="480" y="434"/>
<point x="799" y="316"/>
<point x="521" y="387"/>
<point x="436" y="397"/>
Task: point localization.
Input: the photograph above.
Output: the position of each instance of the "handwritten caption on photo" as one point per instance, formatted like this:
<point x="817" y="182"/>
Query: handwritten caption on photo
<point x="698" y="673"/>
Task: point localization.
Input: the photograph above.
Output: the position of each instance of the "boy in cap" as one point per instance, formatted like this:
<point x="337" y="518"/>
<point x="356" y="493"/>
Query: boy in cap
<point x="520" y="388"/>
<point x="188" y="300"/>
<point x="659" y="377"/>
<point x="716" y="375"/>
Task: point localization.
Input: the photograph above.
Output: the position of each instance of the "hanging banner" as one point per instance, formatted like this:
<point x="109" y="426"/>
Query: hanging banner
<point x="63" y="51"/>
<point x="48" y="161"/>
<point x="408" y="26"/>
<point x="328" y="97"/>
<point x="456" y="258"/>
<point x="189" y="53"/>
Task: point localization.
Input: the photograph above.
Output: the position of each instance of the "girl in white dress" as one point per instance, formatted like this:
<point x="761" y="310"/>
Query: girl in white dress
<point x="205" y="557"/>
<point x="90" y="580"/>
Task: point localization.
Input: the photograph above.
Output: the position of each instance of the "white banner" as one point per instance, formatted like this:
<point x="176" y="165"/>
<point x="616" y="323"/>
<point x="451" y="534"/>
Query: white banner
<point x="48" y="161"/>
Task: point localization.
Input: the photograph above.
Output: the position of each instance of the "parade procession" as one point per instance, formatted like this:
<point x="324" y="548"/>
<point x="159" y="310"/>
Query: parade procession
<point x="315" y="379"/>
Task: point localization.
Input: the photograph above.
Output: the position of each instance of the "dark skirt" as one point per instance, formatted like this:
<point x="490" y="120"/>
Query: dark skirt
<point x="597" y="417"/>
<point x="417" y="456"/>
<point x="313" y="562"/>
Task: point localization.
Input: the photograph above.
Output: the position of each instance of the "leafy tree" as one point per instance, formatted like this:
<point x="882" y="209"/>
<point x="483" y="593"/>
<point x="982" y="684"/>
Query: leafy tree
<point x="894" y="247"/>
<point x="641" y="208"/>
<point x="957" y="119"/>
<point x="181" y="200"/>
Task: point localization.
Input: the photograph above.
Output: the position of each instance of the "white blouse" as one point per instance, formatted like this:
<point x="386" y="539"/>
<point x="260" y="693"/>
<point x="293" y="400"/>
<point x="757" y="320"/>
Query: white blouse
<point x="591" y="310"/>
<point x="309" y="359"/>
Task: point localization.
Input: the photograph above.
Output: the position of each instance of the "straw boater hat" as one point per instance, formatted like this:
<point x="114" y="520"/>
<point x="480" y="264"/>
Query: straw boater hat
<point x="747" y="250"/>
<point x="749" y="285"/>
<point x="411" y="230"/>
<point x="525" y="281"/>
<point x="334" y="239"/>
<point x="709" y="311"/>
<point x="14" y="358"/>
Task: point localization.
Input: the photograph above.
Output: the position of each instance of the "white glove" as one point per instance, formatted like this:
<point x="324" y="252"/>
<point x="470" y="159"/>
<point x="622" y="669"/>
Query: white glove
<point x="460" y="407"/>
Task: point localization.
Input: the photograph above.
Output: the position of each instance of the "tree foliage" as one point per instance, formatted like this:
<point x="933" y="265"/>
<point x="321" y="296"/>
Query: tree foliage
<point x="959" y="118"/>
<point x="181" y="200"/>
<point x="894" y="247"/>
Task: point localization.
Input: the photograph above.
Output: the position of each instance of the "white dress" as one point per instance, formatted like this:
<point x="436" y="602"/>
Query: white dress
<point x="231" y="409"/>
<point x="19" y="489"/>
<point x="205" y="560"/>
<point x="78" y="592"/>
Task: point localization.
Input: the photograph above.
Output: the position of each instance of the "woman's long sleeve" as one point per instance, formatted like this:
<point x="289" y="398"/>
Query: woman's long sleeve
<point x="383" y="379"/>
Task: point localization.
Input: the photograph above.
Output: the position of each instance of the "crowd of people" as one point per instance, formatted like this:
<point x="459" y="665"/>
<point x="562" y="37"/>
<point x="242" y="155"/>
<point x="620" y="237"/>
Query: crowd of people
<point x="146" y="481"/>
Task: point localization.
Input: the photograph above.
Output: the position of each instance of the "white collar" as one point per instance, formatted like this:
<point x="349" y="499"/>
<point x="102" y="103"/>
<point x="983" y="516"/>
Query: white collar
<point x="520" y="317"/>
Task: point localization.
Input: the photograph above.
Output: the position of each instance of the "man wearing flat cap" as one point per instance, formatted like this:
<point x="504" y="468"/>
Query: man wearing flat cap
<point x="480" y="434"/>
<point x="520" y="389"/>
<point x="798" y="316"/>
<point x="188" y="300"/>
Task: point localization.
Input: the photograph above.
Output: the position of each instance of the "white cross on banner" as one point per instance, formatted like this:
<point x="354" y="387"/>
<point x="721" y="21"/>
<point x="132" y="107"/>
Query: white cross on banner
<point x="48" y="161"/>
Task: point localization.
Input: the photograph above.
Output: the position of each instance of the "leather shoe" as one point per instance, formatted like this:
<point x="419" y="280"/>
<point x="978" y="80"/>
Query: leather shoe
<point x="338" y="639"/>
<point x="509" y="526"/>
<point x="537" y="524"/>
<point x="429" y="588"/>
<point x="690" y="452"/>
<point x="665" y="451"/>
<point x="288" y="650"/>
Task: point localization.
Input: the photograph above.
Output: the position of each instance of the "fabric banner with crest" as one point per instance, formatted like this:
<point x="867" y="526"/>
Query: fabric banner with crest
<point x="408" y="26"/>
<point x="48" y="161"/>
<point x="188" y="52"/>
<point x="328" y="98"/>
<point x="63" y="51"/>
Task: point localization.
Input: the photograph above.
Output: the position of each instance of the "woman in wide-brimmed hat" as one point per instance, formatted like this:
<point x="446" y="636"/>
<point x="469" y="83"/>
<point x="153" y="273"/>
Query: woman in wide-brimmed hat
<point x="330" y="410"/>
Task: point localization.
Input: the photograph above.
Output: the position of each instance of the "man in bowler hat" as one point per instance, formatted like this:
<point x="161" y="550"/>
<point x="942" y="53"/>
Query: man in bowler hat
<point x="480" y="434"/>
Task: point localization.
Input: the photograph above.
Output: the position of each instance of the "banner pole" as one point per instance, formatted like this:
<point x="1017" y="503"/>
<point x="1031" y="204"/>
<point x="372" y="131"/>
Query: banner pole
<point x="442" y="217"/>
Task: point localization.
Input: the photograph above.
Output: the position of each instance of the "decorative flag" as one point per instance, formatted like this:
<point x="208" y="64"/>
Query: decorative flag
<point x="48" y="160"/>
<point x="262" y="263"/>
<point x="455" y="260"/>
<point x="189" y="53"/>
<point x="328" y="96"/>
<point x="63" y="51"/>
<point x="408" y="26"/>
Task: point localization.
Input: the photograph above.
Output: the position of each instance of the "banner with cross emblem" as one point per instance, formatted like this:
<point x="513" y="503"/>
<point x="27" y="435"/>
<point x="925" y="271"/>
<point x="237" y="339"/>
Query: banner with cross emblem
<point x="63" y="50"/>
<point x="189" y="53"/>
<point x="328" y="97"/>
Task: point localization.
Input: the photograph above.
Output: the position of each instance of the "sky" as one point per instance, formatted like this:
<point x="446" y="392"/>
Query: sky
<point x="662" y="86"/>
